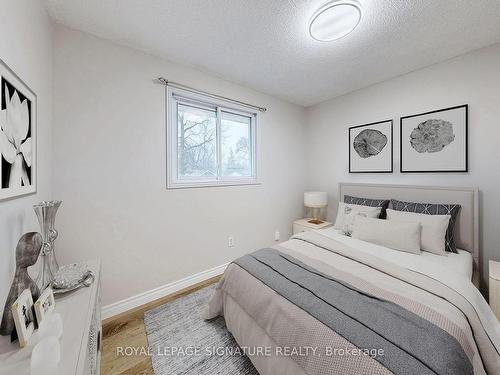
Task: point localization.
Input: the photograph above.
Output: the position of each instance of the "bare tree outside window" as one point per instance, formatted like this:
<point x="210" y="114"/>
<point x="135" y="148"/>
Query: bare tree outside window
<point x="197" y="147"/>
<point x="209" y="143"/>
<point x="197" y="143"/>
<point x="236" y="145"/>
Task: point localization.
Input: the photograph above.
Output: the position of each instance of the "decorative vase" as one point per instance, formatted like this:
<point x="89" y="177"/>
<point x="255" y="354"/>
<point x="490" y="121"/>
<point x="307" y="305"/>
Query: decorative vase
<point x="46" y="214"/>
<point x="53" y="234"/>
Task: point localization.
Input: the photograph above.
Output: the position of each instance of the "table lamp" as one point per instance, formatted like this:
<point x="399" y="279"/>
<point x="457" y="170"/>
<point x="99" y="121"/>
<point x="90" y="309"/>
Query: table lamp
<point x="315" y="200"/>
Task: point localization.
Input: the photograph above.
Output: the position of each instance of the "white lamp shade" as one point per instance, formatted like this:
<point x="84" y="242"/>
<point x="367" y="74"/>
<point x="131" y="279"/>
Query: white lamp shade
<point x="315" y="199"/>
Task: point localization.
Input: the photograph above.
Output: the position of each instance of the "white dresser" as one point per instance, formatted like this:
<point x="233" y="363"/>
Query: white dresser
<point x="81" y="340"/>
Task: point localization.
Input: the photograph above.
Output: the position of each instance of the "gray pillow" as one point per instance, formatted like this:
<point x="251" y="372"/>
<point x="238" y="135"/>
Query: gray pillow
<point x="433" y="209"/>
<point x="382" y="203"/>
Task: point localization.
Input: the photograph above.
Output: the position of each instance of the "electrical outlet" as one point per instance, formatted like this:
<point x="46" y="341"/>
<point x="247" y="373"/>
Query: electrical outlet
<point x="230" y="242"/>
<point x="277" y="236"/>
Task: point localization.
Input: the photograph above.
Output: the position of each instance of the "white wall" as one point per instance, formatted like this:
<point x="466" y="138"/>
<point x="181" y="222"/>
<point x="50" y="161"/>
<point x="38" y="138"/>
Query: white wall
<point x="26" y="47"/>
<point x="109" y="170"/>
<point x="473" y="78"/>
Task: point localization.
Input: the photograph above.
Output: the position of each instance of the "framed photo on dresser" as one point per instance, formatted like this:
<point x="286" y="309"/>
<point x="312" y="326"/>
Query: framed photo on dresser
<point x="435" y="141"/>
<point x="370" y="148"/>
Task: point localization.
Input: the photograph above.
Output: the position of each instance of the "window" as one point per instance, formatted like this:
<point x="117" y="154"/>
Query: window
<point x="211" y="142"/>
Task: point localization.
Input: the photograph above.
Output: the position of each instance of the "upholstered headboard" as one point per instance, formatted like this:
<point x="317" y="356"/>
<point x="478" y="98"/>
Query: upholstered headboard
<point x="467" y="227"/>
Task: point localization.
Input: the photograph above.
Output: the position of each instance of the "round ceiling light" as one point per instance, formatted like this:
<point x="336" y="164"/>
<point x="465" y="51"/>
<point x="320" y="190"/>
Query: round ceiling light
<point x="334" y="20"/>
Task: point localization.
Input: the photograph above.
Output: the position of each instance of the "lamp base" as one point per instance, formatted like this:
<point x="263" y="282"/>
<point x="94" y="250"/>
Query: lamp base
<point x="315" y="216"/>
<point x="316" y="221"/>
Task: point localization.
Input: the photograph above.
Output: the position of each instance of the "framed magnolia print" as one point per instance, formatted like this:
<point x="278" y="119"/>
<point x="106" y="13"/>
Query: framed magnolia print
<point x="17" y="136"/>
<point x="370" y="148"/>
<point x="22" y="312"/>
<point x="435" y="141"/>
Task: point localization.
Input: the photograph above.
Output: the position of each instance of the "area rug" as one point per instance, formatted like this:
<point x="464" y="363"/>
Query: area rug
<point x="182" y="342"/>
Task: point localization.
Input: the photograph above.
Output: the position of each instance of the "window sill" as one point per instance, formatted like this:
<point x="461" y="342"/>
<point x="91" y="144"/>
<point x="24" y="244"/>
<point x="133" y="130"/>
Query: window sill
<point x="194" y="185"/>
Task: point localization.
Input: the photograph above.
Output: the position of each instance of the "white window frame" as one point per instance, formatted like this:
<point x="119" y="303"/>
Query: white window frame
<point x="175" y="96"/>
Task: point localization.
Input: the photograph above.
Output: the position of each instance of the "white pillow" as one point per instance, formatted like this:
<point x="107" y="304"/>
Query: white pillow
<point x="433" y="238"/>
<point x="346" y="214"/>
<point x="396" y="235"/>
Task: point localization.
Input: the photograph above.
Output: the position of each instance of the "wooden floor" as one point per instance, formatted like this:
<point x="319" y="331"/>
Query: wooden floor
<point x="126" y="330"/>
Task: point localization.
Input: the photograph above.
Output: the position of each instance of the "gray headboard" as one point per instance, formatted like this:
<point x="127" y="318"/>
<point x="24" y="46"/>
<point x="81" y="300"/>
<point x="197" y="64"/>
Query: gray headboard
<point x="467" y="227"/>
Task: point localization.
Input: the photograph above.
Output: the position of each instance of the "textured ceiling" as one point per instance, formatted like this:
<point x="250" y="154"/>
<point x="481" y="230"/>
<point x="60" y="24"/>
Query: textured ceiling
<point x="264" y="44"/>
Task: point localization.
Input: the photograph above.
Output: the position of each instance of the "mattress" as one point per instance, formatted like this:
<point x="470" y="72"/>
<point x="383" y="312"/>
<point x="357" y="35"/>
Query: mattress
<point x="437" y="266"/>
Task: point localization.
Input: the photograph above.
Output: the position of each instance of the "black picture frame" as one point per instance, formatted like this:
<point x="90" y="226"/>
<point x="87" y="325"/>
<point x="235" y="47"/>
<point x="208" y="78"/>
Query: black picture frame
<point x="391" y="140"/>
<point x="466" y="135"/>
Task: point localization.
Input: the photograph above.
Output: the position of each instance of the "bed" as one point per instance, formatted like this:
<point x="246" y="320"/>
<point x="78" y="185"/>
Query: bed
<point x="324" y="303"/>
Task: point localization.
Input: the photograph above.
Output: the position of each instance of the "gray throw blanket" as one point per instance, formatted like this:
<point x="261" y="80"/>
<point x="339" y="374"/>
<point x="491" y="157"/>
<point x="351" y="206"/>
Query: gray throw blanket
<point x="410" y="343"/>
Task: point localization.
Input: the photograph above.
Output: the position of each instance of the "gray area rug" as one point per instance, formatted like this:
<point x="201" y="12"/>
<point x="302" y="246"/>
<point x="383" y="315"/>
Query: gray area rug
<point x="182" y="342"/>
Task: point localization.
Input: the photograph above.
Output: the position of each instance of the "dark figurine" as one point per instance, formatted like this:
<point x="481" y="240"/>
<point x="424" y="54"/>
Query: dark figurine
<point x="27" y="251"/>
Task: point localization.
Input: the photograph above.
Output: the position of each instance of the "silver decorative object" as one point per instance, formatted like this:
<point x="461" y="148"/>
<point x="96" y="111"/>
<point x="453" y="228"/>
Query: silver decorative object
<point x="46" y="214"/>
<point x="70" y="277"/>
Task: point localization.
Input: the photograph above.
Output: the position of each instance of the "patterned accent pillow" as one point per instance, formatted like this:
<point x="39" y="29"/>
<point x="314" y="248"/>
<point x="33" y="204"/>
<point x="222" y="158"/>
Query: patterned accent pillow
<point x="382" y="203"/>
<point x="350" y="216"/>
<point x="433" y="209"/>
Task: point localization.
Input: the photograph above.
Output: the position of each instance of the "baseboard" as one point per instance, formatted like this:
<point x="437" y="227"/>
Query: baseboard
<point x="162" y="291"/>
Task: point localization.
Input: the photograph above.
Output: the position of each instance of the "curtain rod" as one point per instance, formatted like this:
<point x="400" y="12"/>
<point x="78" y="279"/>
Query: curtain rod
<point x="166" y="82"/>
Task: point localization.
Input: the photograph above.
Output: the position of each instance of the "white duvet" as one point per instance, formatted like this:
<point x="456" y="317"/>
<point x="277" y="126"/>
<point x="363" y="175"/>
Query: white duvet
<point x="453" y="270"/>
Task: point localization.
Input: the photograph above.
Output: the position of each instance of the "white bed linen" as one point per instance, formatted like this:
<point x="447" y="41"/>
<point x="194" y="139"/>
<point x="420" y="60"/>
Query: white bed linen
<point x="457" y="278"/>
<point x="425" y="262"/>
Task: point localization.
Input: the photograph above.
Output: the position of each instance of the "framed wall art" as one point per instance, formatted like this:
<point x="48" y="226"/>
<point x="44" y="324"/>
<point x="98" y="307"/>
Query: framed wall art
<point x="17" y="136"/>
<point x="435" y="141"/>
<point x="370" y="148"/>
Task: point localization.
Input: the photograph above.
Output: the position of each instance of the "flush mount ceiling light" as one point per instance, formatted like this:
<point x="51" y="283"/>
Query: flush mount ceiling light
<point x="334" y="20"/>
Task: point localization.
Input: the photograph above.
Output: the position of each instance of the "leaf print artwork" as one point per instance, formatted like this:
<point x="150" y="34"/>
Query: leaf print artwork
<point x="15" y="141"/>
<point x="18" y="165"/>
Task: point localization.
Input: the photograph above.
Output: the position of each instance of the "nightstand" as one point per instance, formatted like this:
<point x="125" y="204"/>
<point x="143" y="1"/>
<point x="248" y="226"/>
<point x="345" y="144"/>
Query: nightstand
<point x="302" y="225"/>
<point x="495" y="287"/>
